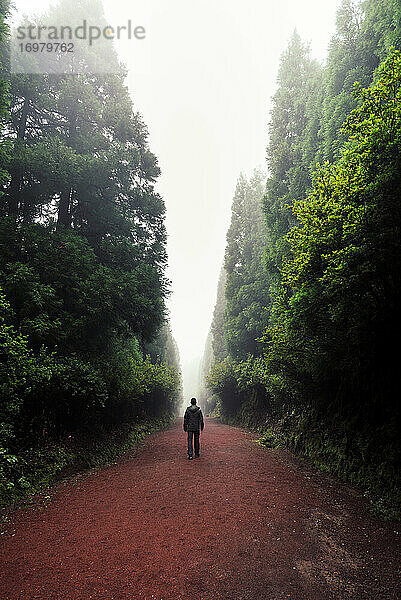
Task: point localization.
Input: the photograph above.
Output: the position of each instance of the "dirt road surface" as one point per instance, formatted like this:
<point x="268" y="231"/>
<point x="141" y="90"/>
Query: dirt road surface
<point x="239" y="523"/>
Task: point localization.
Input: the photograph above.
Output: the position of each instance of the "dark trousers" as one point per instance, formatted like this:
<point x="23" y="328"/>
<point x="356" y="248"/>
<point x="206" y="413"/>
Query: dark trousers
<point x="195" y="436"/>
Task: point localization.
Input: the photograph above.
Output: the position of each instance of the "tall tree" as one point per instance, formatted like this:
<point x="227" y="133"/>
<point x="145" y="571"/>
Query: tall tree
<point x="351" y="57"/>
<point x="219" y="344"/>
<point x="381" y="26"/>
<point x="247" y="287"/>
<point x="82" y="167"/>
<point x="288" y="151"/>
<point x="83" y="251"/>
<point x="338" y="313"/>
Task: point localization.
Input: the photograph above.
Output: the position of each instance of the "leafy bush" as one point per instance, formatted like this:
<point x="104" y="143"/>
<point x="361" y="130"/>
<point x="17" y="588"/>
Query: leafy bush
<point x="234" y="383"/>
<point x="66" y="395"/>
<point x="16" y="373"/>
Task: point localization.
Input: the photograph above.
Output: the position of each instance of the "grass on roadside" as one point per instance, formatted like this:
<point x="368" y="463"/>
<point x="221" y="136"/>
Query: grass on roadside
<point x="36" y="469"/>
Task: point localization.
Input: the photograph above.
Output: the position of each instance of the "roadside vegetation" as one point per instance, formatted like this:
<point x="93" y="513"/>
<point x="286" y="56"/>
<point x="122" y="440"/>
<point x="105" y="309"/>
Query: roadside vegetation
<point x="307" y="319"/>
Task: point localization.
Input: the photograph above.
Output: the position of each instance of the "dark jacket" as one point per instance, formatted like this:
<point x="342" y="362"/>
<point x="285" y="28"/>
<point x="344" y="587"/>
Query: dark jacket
<point x="193" y="419"/>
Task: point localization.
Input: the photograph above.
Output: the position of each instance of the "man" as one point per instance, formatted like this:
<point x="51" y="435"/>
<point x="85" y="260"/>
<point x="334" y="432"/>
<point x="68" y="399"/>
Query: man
<point x="193" y="424"/>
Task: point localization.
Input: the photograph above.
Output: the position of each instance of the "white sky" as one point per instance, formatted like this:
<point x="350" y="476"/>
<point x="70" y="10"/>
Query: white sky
<point x="202" y="79"/>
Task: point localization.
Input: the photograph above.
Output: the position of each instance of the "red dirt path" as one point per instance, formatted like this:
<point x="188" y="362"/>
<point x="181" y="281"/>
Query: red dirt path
<point x="239" y="523"/>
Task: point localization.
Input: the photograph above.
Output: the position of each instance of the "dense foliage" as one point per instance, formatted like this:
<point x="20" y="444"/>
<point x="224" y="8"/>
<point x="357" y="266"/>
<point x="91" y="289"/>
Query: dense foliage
<point x="84" y="341"/>
<point x="328" y="320"/>
<point x="326" y="381"/>
<point x="240" y="313"/>
<point x="246" y="284"/>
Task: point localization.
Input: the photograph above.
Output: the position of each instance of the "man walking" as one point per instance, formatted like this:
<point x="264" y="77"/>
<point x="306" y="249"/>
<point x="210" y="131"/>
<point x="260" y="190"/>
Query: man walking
<point x="193" y="425"/>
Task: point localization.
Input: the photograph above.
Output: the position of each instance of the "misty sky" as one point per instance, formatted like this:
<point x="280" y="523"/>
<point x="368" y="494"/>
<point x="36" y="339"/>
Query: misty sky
<point x="202" y="79"/>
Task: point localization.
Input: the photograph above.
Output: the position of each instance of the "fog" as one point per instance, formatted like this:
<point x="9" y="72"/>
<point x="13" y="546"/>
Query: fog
<point x="202" y="79"/>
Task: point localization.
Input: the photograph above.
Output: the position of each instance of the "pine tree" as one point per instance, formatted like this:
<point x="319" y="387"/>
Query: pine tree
<point x="219" y="344"/>
<point x="247" y="287"/>
<point x="291" y="137"/>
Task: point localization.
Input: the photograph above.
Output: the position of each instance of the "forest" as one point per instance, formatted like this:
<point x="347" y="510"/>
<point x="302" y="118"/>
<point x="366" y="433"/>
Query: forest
<point x="88" y="362"/>
<point x="303" y="345"/>
<point x="234" y="200"/>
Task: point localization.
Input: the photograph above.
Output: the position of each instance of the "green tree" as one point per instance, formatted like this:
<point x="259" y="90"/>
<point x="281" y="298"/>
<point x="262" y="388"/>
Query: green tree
<point x="337" y="315"/>
<point x="219" y="343"/>
<point x="247" y="286"/>
<point x="82" y="254"/>
<point x="292" y="140"/>
<point x="381" y="26"/>
<point x="82" y="180"/>
<point x="351" y="57"/>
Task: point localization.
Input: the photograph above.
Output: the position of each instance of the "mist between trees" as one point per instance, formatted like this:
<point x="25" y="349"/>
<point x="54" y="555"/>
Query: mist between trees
<point x="86" y="348"/>
<point x="304" y="340"/>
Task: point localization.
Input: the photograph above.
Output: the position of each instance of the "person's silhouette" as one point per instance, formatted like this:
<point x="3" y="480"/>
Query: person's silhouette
<point x="193" y="425"/>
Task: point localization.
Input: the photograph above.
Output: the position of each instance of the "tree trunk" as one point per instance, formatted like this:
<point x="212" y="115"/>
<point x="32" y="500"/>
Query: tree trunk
<point x="64" y="210"/>
<point x="17" y="172"/>
<point x="64" y="218"/>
